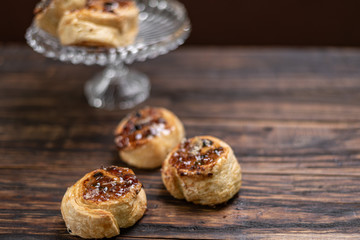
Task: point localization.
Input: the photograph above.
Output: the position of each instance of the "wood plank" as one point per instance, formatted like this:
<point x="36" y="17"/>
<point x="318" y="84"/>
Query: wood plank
<point x="291" y="115"/>
<point x="275" y="203"/>
<point x="298" y="85"/>
<point x="262" y="147"/>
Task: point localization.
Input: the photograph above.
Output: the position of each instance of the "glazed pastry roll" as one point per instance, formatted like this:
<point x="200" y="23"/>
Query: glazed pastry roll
<point x="144" y="138"/>
<point x="49" y="12"/>
<point x="102" y="202"/>
<point x="202" y="170"/>
<point x="107" y="23"/>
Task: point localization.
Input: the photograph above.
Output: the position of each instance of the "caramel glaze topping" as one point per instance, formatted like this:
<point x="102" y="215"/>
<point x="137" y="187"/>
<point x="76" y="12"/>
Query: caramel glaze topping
<point x="194" y="154"/>
<point x="109" y="6"/>
<point x="110" y="183"/>
<point x="142" y="126"/>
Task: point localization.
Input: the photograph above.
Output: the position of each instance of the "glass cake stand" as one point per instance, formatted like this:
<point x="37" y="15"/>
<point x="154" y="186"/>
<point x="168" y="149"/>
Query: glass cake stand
<point x="164" y="25"/>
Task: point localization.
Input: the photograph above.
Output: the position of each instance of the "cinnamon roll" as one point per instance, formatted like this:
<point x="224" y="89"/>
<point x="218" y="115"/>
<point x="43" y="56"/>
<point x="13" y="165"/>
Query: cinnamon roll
<point x="145" y="137"/>
<point x="106" y="23"/>
<point x="49" y="12"/>
<point x="102" y="202"/>
<point x="202" y="170"/>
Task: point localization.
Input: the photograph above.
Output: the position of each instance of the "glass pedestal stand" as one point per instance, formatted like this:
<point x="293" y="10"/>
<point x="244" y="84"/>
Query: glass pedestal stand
<point x="163" y="26"/>
<point x="117" y="87"/>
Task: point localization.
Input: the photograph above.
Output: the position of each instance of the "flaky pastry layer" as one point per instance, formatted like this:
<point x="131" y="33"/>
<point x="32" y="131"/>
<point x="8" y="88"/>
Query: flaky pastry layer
<point x="144" y="138"/>
<point x="50" y="12"/>
<point x="101" y="23"/>
<point x="102" y="202"/>
<point x="202" y="170"/>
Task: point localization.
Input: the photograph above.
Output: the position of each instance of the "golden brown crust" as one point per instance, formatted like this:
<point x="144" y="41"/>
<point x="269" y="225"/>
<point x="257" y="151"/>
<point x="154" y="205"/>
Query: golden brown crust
<point x="144" y="138"/>
<point x="49" y="13"/>
<point x="102" y="202"/>
<point x="110" y="23"/>
<point x="203" y="170"/>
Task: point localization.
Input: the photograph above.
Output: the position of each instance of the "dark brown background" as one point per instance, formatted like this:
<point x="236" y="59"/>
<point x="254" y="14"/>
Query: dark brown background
<point x="240" y="22"/>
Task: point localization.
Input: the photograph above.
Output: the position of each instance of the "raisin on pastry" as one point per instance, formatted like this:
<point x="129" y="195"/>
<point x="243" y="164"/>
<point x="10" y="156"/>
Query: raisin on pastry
<point x="102" y="202"/>
<point x="144" y="138"/>
<point x="202" y="170"/>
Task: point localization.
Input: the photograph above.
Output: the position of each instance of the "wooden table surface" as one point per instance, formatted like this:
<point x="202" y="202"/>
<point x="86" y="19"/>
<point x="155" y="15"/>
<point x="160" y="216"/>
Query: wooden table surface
<point x="292" y="117"/>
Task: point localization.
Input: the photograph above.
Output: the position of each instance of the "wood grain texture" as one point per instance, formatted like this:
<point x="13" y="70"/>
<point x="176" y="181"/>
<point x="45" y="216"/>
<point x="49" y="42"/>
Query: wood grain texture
<point x="291" y="116"/>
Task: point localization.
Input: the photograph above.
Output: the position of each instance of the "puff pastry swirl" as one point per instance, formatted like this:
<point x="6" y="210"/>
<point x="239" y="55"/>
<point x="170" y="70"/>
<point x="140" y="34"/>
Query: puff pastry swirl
<point x="107" y="23"/>
<point x="102" y="202"/>
<point x="49" y="13"/>
<point x="144" y="138"/>
<point x="202" y="170"/>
